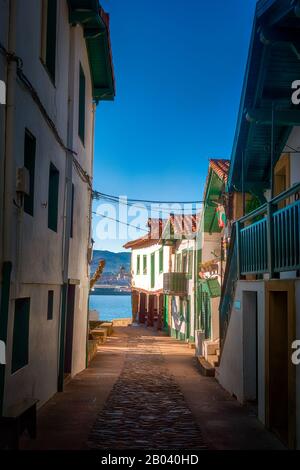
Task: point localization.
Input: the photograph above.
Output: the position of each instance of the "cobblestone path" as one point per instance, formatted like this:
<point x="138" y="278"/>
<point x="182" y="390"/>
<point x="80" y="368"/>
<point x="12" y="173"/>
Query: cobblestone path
<point x="146" y="409"/>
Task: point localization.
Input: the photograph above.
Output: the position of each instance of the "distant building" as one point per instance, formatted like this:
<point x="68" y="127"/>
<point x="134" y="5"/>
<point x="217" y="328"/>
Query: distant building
<point x="211" y="261"/>
<point x="149" y="260"/>
<point x="59" y="69"/>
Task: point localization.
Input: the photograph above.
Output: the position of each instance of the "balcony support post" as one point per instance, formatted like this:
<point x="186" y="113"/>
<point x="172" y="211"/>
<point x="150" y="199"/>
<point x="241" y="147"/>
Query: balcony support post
<point x="270" y="239"/>
<point x="238" y="247"/>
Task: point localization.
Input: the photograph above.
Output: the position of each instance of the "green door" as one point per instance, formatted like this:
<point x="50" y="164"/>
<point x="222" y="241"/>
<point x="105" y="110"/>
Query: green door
<point x="166" y="312"/>
<point x="152" y="270"/>
<point x="188" y="319"/>
<point x="206" y="314"/>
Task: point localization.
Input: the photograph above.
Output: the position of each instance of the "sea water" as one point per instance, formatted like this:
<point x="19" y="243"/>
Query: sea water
<point x="110" y="307"/>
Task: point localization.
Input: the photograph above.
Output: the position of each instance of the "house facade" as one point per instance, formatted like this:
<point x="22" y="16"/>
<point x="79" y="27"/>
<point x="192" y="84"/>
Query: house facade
<point x="58" y="68"/>
<point x="150" y="258"/>
<point x="211" y="251"/>
<point x="259" y="307"/>
<point x="179" y="282"/>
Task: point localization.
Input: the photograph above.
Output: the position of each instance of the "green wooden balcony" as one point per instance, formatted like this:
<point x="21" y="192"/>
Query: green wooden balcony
<point x="175" y="283"/>
<point x="271" y="243"/>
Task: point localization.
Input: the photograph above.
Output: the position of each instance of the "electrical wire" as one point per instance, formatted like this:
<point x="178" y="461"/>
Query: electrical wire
<point x="150" y="208"/>
<point x="98" y="195"/>
<point x="120" y="222"/>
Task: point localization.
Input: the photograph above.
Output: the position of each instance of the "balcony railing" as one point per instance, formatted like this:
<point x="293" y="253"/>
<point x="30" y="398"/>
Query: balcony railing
<point x="175" y="283"/>
<point x="271" y="244"/>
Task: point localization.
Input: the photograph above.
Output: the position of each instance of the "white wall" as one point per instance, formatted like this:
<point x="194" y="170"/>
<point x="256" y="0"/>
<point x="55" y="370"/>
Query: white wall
<point x="230" y="373"/>
<point x="143" y="281"/>
<point x="180" y="325"/>
<point x="40" y="257"/>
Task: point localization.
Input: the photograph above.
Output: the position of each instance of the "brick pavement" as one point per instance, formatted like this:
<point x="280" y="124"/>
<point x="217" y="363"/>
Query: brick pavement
<point x="146" y="408"/>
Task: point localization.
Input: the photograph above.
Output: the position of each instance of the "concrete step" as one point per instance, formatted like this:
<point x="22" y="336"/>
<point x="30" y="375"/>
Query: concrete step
<point x="213" y="359"/>
<point x="205" y="367"/>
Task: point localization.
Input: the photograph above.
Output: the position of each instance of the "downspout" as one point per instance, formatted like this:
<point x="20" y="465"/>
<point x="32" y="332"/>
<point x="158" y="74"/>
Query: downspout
<point x="8" y="193"/>
<point x="89" y="236"/>
<point x="68" y="214"/>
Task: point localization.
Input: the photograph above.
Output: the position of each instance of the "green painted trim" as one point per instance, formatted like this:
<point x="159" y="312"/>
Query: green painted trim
<point x="177" y="334"/>
<point x="4" y="312"/>
<point x="95" y="24"/>
<point x="63" y="309"/>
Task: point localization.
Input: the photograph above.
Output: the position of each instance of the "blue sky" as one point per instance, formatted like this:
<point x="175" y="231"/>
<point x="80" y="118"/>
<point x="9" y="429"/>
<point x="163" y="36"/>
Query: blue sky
<point x="179" y="68"/>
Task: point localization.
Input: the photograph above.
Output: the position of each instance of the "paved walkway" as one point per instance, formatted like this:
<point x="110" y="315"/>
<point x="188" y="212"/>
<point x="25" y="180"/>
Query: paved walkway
<point x="144" y="390"/>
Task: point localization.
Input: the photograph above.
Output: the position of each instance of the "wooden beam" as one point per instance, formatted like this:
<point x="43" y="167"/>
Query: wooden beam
<point x="287" y="117"/>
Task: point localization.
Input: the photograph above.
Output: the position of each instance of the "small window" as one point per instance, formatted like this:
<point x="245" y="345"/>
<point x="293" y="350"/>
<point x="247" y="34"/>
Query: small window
<point x="49" y="31"/>
<point x="72" y="211"/>
<point x="29" y="163"/>
<point x="145" y="264"/>
<point x="81" y="113"/>
<point x="50" y="305"/>
<point x="20" y="352"/>
<point x="53" y="197"/>
<point x="161" y="260"/>
<point x="138" y="264"/>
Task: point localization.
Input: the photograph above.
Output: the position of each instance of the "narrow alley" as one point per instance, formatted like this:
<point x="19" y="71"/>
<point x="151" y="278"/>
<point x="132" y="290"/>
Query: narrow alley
<point x="143" y="390"/>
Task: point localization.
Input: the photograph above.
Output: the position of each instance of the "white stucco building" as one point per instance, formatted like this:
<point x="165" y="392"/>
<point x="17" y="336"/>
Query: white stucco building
<point x="59" y="68"/>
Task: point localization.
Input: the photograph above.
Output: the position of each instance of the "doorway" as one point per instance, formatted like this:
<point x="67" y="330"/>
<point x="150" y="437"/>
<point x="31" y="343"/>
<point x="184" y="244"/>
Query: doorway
<point x="280" y="372"/>
<point x="69" y="329"/>
<point x="250" y="348"/>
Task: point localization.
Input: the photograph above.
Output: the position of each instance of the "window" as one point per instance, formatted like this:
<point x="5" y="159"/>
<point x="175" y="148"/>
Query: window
<point x="50" y="305"/>
<point x="49" y="30"/>
<point x="72" y="211"/>
<point x="53" y="197"/>
<point x="81" y="112"/>
<point x="20" y="334"/>
<point x="145" y="264"/>
<point x="29" y="163"/>
<point x="152" y="270"/>
<point x="161" y="260"/>
<point x="138" y="264"/>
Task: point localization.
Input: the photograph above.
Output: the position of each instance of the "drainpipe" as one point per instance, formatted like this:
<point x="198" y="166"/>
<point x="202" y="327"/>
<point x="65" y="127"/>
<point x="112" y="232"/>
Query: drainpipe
<point x="68" y="213"/>
<point x="89" y="236"/>
<point x="8" y="192"/>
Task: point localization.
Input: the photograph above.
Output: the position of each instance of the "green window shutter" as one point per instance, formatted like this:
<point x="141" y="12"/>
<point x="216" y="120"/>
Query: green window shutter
<point x="53" y="197"/>
<point x="190" y="263"/>
<point x="29" y="163"/>
<point x="178" y="263"/>
<point x="214" y="287"/>
<point x="161" y="260"/>
<point x="20" y="352"/>
<point x="81" y="113"/>
<point x="145" y="264"/>
<point x="152" y="270"/>
<point x="50" y="305"/>
<point x="184" y="262"/>
<point x="138" y="264"/>
<point x="51" y="37"/>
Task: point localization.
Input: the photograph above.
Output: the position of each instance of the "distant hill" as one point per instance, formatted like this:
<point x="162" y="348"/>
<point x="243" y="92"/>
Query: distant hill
<point x="113" y="261"/>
